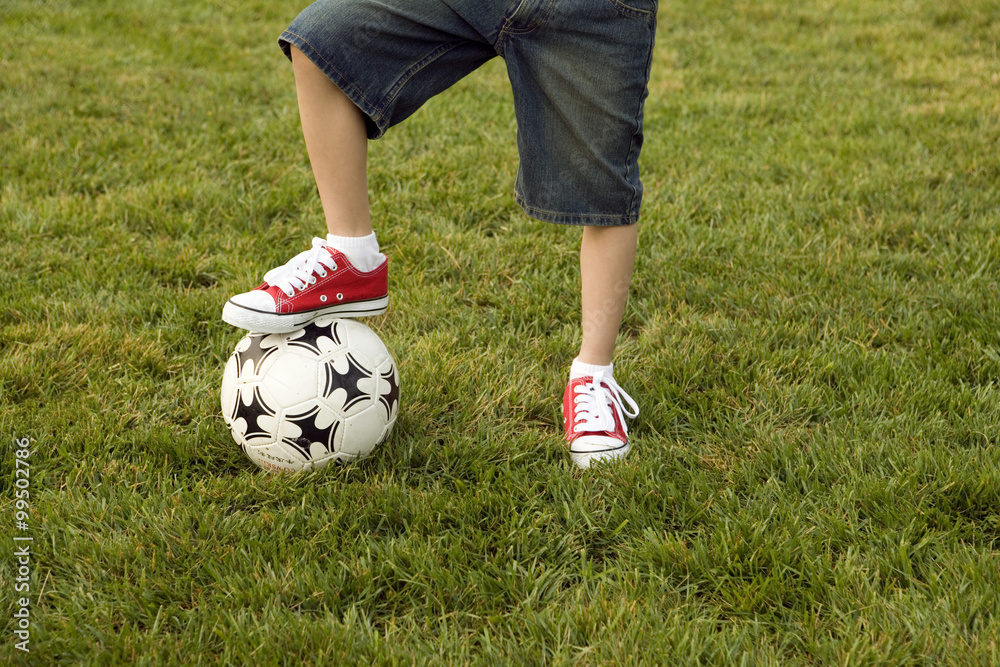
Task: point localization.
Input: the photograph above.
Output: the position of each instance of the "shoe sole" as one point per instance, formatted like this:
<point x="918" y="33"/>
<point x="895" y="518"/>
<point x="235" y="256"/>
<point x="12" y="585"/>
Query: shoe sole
<point x="273" y="323"/>
<point x="586" y="459"/>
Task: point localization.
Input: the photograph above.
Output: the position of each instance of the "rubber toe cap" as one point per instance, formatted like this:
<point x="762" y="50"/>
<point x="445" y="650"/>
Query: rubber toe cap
<point x="257" y="300"/>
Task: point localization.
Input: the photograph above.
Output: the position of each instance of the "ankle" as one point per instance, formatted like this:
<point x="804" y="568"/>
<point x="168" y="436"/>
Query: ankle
<point x="581" y="368"/>
<point x="362" y="251"/>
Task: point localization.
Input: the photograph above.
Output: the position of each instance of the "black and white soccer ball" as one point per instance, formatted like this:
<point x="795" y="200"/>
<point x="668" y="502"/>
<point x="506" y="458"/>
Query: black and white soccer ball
<point x="297" y="401"/>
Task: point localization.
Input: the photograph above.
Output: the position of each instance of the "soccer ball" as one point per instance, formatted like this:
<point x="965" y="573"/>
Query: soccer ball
<point x="297" y="401"/>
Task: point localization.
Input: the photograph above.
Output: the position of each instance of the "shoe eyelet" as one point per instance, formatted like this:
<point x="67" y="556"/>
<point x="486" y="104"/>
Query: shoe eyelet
<point x="322" y="298"/>
<point x="340" y="297"/>
<point x="323" y="275"/>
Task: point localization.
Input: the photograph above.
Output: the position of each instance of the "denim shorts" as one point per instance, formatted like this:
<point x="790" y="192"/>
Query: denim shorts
<point x="578" y="70"/>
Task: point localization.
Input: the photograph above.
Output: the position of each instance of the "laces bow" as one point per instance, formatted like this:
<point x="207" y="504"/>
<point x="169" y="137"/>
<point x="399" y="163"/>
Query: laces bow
<point x="301" y="271"/>
<point x="595" y="404"/>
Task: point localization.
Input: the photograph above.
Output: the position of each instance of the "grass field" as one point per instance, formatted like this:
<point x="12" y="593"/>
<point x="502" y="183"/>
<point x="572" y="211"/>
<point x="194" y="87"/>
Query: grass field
<point x="813" y="338"/>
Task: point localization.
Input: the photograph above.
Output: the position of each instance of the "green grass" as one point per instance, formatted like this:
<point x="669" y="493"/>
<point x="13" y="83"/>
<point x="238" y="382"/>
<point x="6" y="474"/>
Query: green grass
<point x="813" y="337"/>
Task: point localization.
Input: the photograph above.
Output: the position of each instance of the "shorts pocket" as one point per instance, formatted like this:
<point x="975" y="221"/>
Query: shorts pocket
<point x="636" y="9"/>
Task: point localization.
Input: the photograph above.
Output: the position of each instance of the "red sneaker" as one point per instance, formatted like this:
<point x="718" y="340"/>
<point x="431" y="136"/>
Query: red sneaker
<point x="315" y="283"/>
<point x="593" y="419"/>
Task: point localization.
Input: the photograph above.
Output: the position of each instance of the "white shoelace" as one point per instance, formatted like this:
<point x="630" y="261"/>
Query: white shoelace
<point x="301" y="270"/>
<point x="595" y="404"/>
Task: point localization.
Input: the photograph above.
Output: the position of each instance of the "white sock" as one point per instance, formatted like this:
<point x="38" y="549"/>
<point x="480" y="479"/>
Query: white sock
<point x="361" y="250"/>
<point x="580" y="369"/>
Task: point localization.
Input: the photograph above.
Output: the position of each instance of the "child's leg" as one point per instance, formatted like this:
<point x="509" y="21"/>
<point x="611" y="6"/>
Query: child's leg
<point x="334" y="131"/>
<point x="607" y="256"/>
<point x="360" y="67"/>
<point x="579" y="78"/>
<point x="594" y="406"/>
